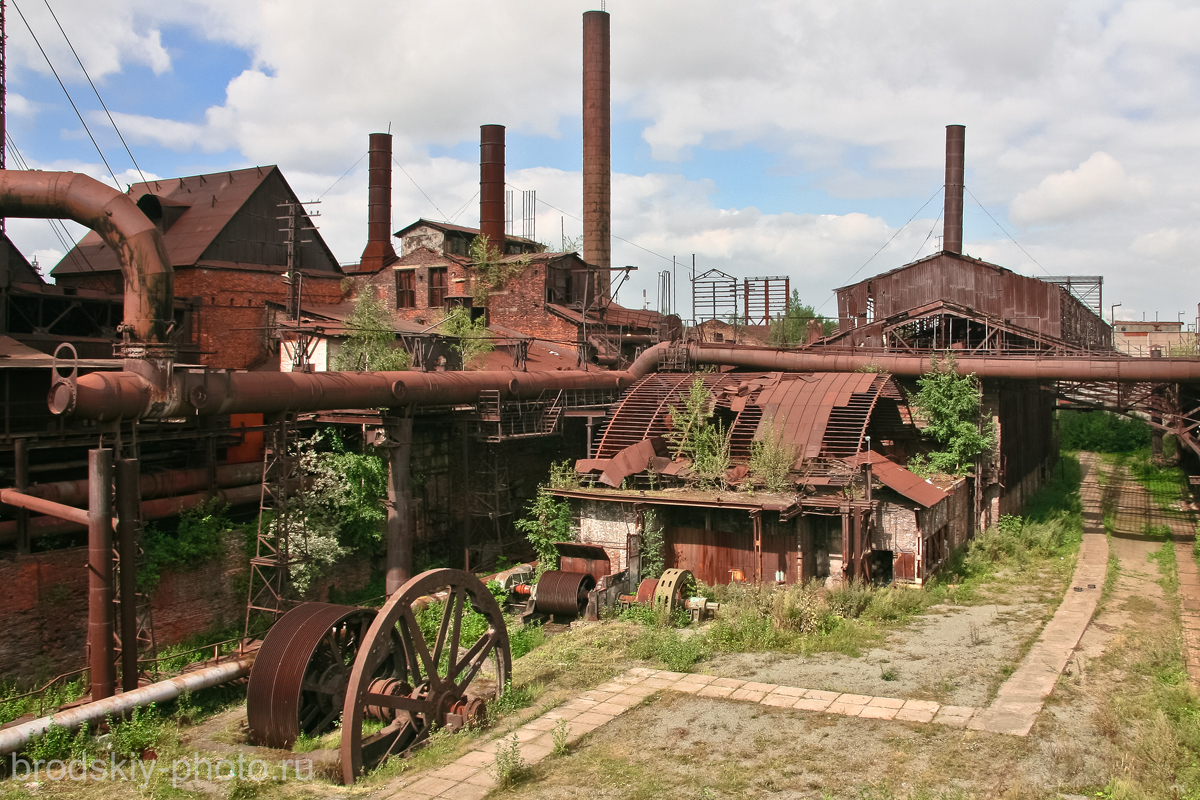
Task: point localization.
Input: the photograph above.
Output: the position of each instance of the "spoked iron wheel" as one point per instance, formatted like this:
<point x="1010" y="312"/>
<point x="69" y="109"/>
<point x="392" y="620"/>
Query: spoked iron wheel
<point x="299" y="681"/>
<point x="432" y="675"/>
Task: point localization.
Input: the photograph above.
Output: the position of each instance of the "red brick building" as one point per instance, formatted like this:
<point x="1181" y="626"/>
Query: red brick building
<point x="228" y="245"/>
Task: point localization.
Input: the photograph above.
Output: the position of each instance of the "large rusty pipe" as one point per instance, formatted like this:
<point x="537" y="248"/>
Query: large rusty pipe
<point x="128" y="508"/>
<point x="1091" y="368"/>
<point x="597" y="148"/>
<point x="400" y="534"/>
<point x="18" y="736"/>
<point x="161" y="508"/>
<point x="109" y="395"/>
<point x="145" y="267"/>
<point x="952" y="226"/>
<point x="491" y="184"/>
<point x="100" y="561"/>
<point x="152" y="485"/>
<point x="379" y="252"/>
<point x="23" y="501"/>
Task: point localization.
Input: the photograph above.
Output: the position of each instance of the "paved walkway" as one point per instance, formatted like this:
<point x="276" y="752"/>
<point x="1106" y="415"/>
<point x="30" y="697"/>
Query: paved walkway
<point x="469" y="777"/>
<point x="1189" y="608"/>
<point x="1022" y="696"/>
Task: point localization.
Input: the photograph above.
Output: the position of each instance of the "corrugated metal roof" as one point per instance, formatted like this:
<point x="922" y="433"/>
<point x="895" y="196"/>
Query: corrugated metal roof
<point x="448" y="226"/>
<point x="899" y="479"/>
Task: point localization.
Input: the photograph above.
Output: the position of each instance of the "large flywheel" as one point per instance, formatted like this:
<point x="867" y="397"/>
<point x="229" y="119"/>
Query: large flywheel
<point x="438" y="666"/>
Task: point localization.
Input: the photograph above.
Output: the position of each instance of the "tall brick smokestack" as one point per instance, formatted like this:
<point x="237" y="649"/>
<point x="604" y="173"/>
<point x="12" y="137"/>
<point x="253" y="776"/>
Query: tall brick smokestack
<point x="952" y="231"/>
<point x="379" y="252"/>
<point x="491" y="184"/>
<point x="597" y="149"/>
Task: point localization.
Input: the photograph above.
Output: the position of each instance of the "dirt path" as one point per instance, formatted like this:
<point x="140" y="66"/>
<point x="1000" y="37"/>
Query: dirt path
<point x="1022" y="696"/>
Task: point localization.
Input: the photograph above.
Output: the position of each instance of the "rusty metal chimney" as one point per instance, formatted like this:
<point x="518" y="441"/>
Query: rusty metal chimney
<point x="491" y="184"/>
<point x="379" y="252"/>
<point x="956" y="138"/>
<point x="597" y="149"/>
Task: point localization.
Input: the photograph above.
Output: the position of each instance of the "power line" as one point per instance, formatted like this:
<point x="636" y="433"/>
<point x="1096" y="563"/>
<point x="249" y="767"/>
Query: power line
<point x="419" y="189"/>
<point x="116" y="182"/>
<point x="463" y="207"/>
<point x="94" y="89"/>
<point x="926" y="239"/>
<point x="1006" y="233"/>
<point x="344" y="174"/>
<point x="885" y="244"/>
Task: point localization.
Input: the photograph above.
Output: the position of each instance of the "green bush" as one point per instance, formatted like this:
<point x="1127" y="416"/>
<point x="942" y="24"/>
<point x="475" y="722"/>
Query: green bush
<point x="549" y="520"/>
<point x="523" y="639"/>
<point x="679" y="652"/>
<point x="139" y="732"/>
<point x="1101" y="432"/>
<point x="58" y="743"/>
<point x="198" y="539"/>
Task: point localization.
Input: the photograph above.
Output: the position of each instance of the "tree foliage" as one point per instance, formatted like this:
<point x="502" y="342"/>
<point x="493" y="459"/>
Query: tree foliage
<point x="772" y="458"/>
<point x="491" y="270"/>
<point x="653" y="546"/>
<point x="1101" y="432"/>
<point x="697" y="437"/>
<point x="474" y="338"/>
<point x="950" y="405"/>
<point x="371" y="343"/>
<point x="548" y="521"/>
<point x="792" y="327"/>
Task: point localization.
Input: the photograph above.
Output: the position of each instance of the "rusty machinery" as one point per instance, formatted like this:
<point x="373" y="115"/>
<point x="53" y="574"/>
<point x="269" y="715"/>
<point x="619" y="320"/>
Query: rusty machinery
<point x="322" y="662"/>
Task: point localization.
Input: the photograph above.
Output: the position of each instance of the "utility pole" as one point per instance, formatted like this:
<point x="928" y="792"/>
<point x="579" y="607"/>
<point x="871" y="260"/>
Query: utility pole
<point x="295" y="216"/>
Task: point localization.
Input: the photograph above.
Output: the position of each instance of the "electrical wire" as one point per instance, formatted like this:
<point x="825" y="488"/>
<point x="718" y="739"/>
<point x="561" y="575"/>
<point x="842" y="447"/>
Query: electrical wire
<point x="344" y="174"/>
<point x="116" y="182"/>
<point x="926" y="239"/>
<point x="1006" y="233"/>
<point x="463" y="207"/>
<point x="419" y="189"/>
<point x="885" y="244"/>
<point x="94" y="89"/>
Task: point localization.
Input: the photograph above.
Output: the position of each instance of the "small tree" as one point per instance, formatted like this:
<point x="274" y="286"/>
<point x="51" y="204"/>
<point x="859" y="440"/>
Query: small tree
<point x="792" y="327"/>
<point x="491" y="270"/>
<point x="474" y="339"/>
<point x="653" y="546"/>
<point x="950" y="404"/>
<point x="371" y="345"/>
<point x="705" y="443"/>
<point x="548" y="521"/>
<point x="772" y="458"/>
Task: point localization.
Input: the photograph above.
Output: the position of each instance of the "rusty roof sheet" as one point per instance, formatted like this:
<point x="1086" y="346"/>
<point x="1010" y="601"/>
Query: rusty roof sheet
<point x="897" y="478"/>
<point x="629" y="461"/>
<point x="447" y="226"/>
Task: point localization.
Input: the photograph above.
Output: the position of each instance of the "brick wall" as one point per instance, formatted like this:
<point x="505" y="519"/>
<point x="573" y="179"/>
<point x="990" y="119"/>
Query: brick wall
<point x="609" y="525"/>
<point x="229" y="326"/>
<point x="43" y="605"/>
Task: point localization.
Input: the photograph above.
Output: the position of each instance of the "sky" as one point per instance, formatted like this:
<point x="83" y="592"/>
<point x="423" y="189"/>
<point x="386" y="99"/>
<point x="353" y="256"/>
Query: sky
<point x="763" y="138"/>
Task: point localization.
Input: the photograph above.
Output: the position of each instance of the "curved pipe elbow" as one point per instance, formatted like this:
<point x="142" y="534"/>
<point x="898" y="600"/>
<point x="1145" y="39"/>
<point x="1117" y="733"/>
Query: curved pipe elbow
<point x="115" y="217"/>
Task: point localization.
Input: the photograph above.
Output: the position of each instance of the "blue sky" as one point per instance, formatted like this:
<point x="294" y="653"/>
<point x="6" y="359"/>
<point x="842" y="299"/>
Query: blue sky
<point x="766" y="138"/>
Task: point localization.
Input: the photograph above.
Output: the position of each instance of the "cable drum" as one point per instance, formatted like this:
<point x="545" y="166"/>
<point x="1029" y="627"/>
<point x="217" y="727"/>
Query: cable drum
<point x="561" y="592"/>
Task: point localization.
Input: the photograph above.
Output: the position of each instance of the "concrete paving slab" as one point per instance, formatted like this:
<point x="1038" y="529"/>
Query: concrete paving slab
<point x="878" y="712"/>
<point x="746" y="694"/>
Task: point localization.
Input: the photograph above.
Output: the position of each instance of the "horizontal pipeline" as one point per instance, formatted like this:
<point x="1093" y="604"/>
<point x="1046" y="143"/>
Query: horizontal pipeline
<point x="160" y="508"/>
<point x="130" y="395"/>
<point x="170" y="483"/>
<point x="18" y="736"/>
<point x="77" y="516"/>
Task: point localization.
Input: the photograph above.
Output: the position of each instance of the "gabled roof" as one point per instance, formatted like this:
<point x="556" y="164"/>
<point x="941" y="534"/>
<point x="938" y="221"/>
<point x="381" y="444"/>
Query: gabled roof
<point x="200" y="208"/>
<point x="449" y="227"/>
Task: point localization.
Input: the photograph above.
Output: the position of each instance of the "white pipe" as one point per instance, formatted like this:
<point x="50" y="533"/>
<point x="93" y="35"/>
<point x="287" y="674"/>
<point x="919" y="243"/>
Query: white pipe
<point x="16" y="737"/>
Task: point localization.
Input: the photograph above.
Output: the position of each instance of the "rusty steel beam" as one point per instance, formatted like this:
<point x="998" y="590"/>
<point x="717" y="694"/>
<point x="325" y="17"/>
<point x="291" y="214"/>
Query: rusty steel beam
<point x="100" y="563"/>
<point x="145" y="267"/>
<point x="952" y="227"/>
<point x="491" y="184"/>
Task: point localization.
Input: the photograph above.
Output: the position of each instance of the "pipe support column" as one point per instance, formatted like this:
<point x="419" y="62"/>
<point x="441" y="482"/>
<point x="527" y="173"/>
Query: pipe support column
<point x="129" y="508"/>
<point x="398" y="443"/>
<point x="100" y="561"/>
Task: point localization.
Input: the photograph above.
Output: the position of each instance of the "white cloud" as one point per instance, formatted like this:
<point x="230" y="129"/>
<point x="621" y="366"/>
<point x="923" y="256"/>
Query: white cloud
<point x="1098" y="185"/>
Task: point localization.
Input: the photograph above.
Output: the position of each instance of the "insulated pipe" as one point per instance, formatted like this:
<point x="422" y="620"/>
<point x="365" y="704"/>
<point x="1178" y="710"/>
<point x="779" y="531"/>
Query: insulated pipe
<point x="379" y="252"/>
<point x="952" y="227"/>
<point x="491" y="184"/>
<point x="128" y="508"/>
<point x="145" y="267"/>
<point x="400" y="532"/>
<point x="597" y="149"/>
<point x="100" y="560"/>
<point x="69" y="513"/>
<point x="109" y="395"/>
<point x="151" y="485"/>
<point x="1090" y="368"/>
<point x="18" y="736"/>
